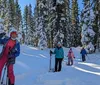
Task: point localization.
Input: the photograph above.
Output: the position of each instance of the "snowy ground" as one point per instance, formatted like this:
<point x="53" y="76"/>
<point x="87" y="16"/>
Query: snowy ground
<point x="32" y="68"/>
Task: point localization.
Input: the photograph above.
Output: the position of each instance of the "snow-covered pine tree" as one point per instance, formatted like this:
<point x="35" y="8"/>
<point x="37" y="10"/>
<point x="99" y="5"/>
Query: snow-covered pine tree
<point x="3" y="5"/>
<point x="25" y="23"/>
<point x="62" y="21"/>
<point x="35" y="17"/>
<point x="18" y="16"/>
<point x="59" y="27"/>
<point x="5" y="15"/>
<point x="2" y="33"/>
<point x="1" y="26"/>
<point x="68" y="36"/>
<point x="29" y="25"/>
<point x="31" y="29"/>
<point x="3" y="10"/>
<point x="41" y="24"/>
<point x="41" y="34"/>
<point x="99" y="23"/>
<point x="96" y="7"/>
<point x="51" y="22"/>
<point x="30" y="17"/>
<point x="75" y="23"/>
<point x="11" y="12"/>
<point x="87" y="23"/>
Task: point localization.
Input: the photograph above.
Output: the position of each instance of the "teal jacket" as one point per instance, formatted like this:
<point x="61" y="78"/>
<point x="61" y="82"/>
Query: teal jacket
<point x="59" y="53"/>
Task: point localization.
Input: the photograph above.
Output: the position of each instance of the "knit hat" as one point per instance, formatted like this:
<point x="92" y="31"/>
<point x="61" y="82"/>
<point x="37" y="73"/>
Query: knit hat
<point x="70" y="48"/>
<point x="59" y="43"/>
<point x="70" y="51"/>
<point x="13" y="32"/>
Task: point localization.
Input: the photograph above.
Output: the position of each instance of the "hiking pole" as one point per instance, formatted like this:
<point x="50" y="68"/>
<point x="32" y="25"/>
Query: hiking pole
<point x="2" y="79"/>
<point x="7" y="78"/>
<point x="80" y="58"/>
<point x="88" y="57"/>
<point x="50" y="64"/>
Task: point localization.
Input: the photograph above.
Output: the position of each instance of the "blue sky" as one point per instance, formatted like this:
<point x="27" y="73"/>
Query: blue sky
<point x="23" y="3"/>
<point x="33" y="2"/>
<point x="80" y="4"/>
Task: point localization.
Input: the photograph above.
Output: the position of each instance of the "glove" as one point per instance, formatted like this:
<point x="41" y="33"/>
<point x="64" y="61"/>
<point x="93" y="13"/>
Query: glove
<point x="11" y="60"/>
<point x="51" y="52"/>
<point x="12" y="51"/>
<point x="11" y="56"/>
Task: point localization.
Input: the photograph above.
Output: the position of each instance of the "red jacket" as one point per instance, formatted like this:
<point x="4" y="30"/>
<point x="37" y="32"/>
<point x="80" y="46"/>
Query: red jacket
<point x="70" y="54"/>
<point x="9" y="46"/>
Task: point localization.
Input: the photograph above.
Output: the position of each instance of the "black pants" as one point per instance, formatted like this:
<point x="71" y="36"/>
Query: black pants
<point x="83" y="58"/>
<point x="58" y="64"/>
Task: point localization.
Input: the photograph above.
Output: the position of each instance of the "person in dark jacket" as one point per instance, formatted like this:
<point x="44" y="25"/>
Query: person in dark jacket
<point x="83" y="53"/>
<point x="59" y="55"/>
<point x="11" y="49"/>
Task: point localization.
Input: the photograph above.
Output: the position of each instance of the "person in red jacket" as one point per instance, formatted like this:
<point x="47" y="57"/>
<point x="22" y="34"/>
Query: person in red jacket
<point x="70" y="57"/>
<point x="11" y="49"/>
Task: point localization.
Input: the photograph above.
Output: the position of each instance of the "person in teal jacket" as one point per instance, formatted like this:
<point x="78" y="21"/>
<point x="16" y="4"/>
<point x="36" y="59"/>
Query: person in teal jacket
<point x="59" y="55"/>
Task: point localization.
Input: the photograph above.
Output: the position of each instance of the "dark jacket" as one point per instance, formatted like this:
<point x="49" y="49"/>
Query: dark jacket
<point x="83" y="52"/>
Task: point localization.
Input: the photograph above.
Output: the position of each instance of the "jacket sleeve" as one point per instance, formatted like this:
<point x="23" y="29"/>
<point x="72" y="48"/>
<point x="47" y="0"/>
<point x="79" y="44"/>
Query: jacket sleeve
<point x="17" y="53"/>
<point x="54" y="51"/>
<point x="3" y="41"/>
